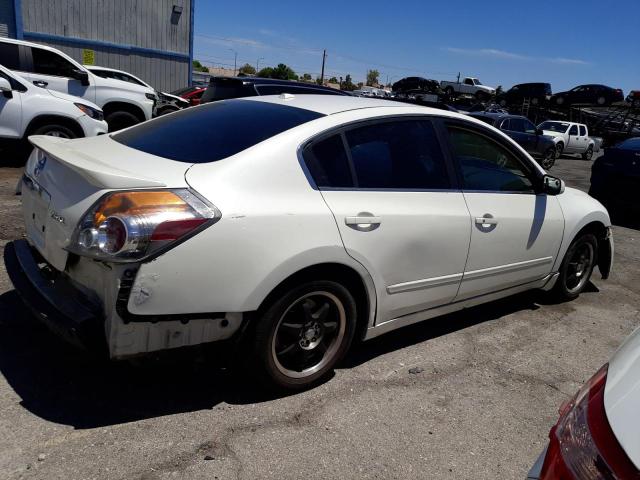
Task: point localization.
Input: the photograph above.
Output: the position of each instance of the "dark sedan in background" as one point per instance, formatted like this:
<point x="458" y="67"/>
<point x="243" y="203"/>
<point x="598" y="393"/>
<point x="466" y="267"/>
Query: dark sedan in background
<point x="615" y="177"/>
<point x="588" y="95"/>
<point x="525" y="133"/>
<point x="537" y="93"/>
<point x="415" y="85"/>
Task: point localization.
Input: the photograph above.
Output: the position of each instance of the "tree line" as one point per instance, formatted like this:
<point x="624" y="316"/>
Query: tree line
<point x="284" y="72"/>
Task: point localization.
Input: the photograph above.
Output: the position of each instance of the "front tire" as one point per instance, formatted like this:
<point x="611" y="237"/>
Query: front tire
<point x="54" y="130"/>
<point x="559" y="149"/>
<point x="577" y="267"/>
<point x="119" y="120"/>
<point x="303" y="334"/>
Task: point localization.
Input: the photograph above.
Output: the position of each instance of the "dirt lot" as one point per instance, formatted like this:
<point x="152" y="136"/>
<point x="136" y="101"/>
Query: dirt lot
<point x="485" y="389"/>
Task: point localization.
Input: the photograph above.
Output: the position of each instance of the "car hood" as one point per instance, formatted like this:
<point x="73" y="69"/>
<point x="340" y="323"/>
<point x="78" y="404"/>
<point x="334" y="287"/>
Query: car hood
<point x="551" y="133"/>
<point x="71" y="98"/>
<point x="622" y="396"/>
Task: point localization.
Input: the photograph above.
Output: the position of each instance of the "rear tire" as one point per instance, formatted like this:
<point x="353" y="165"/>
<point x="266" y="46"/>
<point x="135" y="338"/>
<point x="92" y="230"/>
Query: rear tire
<point x="588" y="155"/>
<point x="449" y="91"/>
<point x="119" y="120"/>
<point x="577" y="267"/>
<point x="601" y="101"/>
<point x="303" y="334"/>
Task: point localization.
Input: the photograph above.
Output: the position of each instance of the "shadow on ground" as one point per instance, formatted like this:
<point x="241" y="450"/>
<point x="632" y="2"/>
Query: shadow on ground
<point x="61" y="384"/>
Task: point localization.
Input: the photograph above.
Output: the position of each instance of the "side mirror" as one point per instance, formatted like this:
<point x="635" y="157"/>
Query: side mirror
<point x="539" y="131"/>
<point x="552" y="185"/>
<point x="5" y="88"/>
<point x="82" y="76"/>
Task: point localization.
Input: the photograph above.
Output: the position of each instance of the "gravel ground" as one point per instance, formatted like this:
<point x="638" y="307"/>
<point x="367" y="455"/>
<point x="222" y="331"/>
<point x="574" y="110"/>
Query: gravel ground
<point x="469" y="395"/>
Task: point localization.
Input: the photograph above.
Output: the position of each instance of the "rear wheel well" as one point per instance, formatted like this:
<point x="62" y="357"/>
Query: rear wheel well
<point x="337" y="272"/>
<point x="113" y="107"/>
<point x="43" y="120"/>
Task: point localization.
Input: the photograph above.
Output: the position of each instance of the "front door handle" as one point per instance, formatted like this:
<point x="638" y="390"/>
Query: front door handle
<point x="40" y="83"/>
<point x="362" y="220"/>
<point x="486" y="221"/>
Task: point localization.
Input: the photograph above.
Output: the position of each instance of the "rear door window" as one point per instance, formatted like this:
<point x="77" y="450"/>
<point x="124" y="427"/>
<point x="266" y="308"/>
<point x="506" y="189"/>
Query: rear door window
<point x="583" y="131"/>
<point x="403" y="154"/>
<point x="9" y="56"/>
<point x="214" y="131"/>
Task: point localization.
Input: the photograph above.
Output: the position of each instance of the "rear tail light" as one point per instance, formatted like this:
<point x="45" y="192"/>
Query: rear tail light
<point x="583" y="446"/>
<point x="129" y="226"/>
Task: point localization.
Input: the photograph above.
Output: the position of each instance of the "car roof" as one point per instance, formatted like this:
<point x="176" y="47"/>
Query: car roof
<point x="332" y="104"/>
<point x="275" y="81"/>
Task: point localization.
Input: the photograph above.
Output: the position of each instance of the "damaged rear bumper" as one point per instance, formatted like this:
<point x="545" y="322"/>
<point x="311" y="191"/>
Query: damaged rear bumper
<point x="87" y="306"/>
<point x="52" y="299"/>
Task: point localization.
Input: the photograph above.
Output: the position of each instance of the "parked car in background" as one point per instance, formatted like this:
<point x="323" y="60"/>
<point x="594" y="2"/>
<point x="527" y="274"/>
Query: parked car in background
<point x="370" y="220"/>
<point x="536" y="93"/>
<point x="224" y="88"/>
<point x="190" y="94"/>
<point x="29" y="110"/>
<point x="124" y="104"/>
<point x="596" y="436"/>
<point x="524" y="133"/>
<point x="570" y="137"/>
<point x="414" y="85"/>
<point x="588" y="95"/>
<point x="469" y="86"/>
<point x="634" y="98"/>
<point x="615" y="176"/>
<point x="488" y="108"/>
<point x="166" y="103"/>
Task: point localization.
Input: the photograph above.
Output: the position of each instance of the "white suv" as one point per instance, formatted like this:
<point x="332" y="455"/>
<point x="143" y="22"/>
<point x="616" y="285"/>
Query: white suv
<point x="124" y="104"/>
<point x="302" y="222"/>
<point x="30" y="110"/>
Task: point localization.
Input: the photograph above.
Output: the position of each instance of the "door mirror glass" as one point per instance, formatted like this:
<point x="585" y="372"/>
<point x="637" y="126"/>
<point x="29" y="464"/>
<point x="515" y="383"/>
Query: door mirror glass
<point x="552" y="185"/>
<point x="5" y="88"/>
<point x="82" y="76"/>
<point x="539" y="131"/>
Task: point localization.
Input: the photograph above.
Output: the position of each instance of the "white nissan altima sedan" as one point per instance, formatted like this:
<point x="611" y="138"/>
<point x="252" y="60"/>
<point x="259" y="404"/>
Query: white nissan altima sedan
<point x="299" y="222"/>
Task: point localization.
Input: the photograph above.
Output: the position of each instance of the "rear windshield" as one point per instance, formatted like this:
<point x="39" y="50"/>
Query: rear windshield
<point x="214" y="131"/>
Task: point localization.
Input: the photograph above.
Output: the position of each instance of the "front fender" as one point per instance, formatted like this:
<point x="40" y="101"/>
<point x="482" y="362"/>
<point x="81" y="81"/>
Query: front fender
<point x="580" y="210"/>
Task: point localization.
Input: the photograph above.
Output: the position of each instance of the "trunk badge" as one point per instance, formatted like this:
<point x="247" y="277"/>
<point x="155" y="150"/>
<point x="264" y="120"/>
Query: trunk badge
<point x="42" y="161"/>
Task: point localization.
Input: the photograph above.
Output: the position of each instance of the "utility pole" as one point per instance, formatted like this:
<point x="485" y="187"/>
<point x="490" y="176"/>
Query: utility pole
<point x="258" y="64"/>
<point x="235" y="61"/>
<point x="324" y="56"/>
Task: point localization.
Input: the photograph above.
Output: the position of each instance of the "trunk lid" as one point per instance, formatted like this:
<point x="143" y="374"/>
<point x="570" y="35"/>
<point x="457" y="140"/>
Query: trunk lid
<point x="64" y="178"/>
<point x="622" y="396"/>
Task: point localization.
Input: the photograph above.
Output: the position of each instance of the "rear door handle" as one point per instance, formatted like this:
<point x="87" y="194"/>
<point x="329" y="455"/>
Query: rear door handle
<point x="40" y="83"/>
<point x="486" y="221"/>
<point x="362" y="220"/>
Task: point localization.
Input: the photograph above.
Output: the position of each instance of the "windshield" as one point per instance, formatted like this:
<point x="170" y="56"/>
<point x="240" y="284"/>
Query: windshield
<point x="213" y="131"/>
<point x="559" y="127"/>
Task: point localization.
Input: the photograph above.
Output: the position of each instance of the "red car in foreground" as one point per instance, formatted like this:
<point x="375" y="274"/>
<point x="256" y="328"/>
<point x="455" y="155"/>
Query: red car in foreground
<point x="596" y="437"/>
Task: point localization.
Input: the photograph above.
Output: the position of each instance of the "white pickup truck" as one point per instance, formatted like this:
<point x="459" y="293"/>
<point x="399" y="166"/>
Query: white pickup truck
<point x="570" y="137"/>
<point x="469" y="86"/>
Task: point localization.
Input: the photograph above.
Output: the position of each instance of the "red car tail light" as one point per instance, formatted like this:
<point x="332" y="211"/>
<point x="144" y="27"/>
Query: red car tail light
<point x="132" y="225"/>
<point x="582" y="445"/>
